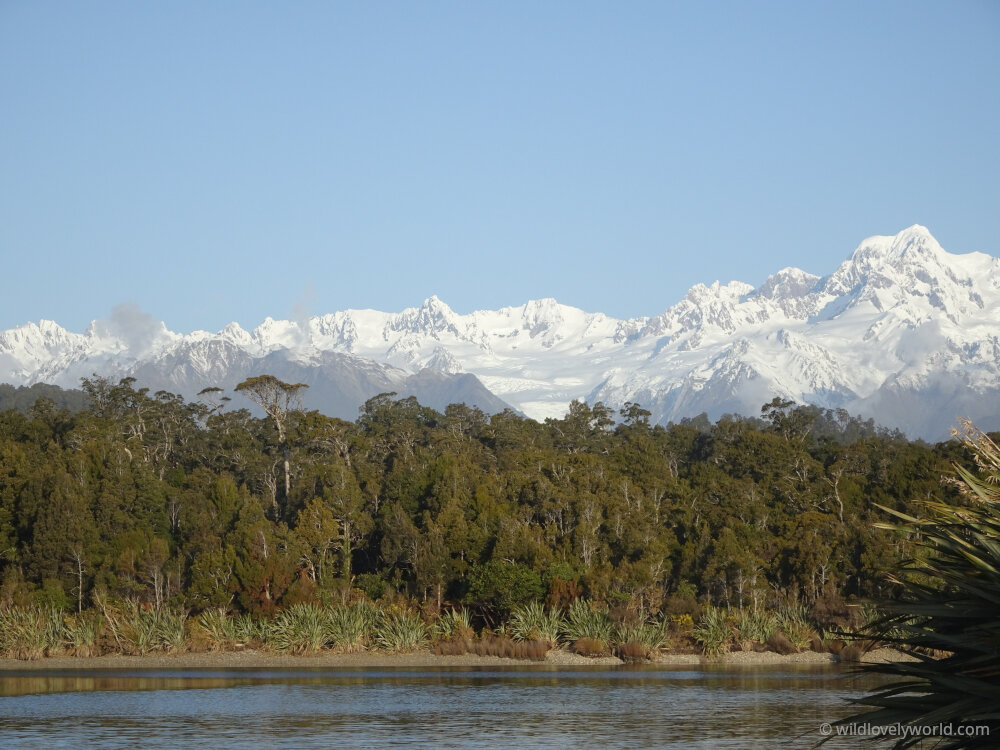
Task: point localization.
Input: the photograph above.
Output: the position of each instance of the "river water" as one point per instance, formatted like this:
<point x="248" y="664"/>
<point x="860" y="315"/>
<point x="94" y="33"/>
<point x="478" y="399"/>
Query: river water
<point x="538" y="707"/>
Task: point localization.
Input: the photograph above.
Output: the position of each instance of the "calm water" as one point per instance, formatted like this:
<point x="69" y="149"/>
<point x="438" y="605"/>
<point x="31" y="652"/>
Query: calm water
<point x="625" y="707"/>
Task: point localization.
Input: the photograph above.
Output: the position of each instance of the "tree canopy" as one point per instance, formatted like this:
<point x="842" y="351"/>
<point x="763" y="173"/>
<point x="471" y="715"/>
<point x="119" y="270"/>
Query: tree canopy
<point x="153" y="498"/>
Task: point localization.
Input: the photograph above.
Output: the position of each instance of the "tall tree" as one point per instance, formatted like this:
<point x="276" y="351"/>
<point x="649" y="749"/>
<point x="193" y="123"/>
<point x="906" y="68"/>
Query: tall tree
<point x="278" y="399"/>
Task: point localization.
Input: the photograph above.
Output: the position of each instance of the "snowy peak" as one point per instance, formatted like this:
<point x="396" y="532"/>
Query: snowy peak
<point x="433" y="317"/>
<point x="912" y="271"/>
<point x="787" y="284"/>
<point x="902" y="331"/>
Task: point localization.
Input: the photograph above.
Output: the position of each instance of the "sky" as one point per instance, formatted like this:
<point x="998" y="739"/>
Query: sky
<point x="209" y="162"/>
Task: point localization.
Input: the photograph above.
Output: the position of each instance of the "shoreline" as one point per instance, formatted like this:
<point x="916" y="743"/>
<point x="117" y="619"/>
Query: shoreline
<point x="251" y="659"/>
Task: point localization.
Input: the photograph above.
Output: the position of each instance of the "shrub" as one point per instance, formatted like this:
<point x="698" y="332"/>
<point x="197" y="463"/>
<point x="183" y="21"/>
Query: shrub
<point x="850" y="654"/>
<point x="351" y="627"/>
<point x="779" y="644"/>
<point x="835" y="646"/>
<point x="82" y="631"/>
<point x="455" y="647"/>
<point x="589" y="647"/>
<point x="501" y="647"/>
<point x="499" y="586"/>
<point x="753" y="627"/>
<point x="583" y="621"/>
<point x="372" y="584"/>
<point x="300" y="628"/>
<point x="401" y="631"/>
<point x="632" y="651"/>
<point x="949" y="603"/>
<point x="530" y="622"/>
<point x="713" y="632"/>
<point x="454" y="624"/>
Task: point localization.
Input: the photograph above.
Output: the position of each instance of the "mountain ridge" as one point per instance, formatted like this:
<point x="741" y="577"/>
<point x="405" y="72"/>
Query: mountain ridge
<point x="901" y="331"/>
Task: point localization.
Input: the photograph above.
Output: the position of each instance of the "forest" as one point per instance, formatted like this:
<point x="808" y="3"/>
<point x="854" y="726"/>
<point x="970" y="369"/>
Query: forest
<point x="248" y="503"/>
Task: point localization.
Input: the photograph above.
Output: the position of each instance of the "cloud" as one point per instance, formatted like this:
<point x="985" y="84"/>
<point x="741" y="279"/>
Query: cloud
<point x="300" y="313"/>
<point x="8" y="367"/>
<point x="128" y="323"/>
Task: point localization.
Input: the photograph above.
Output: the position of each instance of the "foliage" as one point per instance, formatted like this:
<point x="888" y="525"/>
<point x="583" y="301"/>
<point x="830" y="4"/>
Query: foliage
<point x="950" y="603"/>
<point x="499" y="586"/>
<point x="218" y="626"/>
<point x="400" y="631"/>
<point x="351" y="627"/>
<point x="531" y="622"/>
<point x="454" y="624"/>
<point x="793" y="621"/>
<point x="300" y="628"/>
<point x="30" y="633"/>
<point x="195" y="506"/>
<point x="714" y="632"/>
<point x="652" y="635"/>
<point x="583" y="620"/>
<point x="754" y="627"/>
<point x="81" y="632"/>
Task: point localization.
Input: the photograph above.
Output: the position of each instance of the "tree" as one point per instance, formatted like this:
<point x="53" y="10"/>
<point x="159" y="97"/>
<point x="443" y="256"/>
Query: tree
<point x="318" y="531"/>
<point x="278" y="399"/>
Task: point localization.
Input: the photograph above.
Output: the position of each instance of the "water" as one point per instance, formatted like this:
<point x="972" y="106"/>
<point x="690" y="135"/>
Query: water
<point x="626" y="707"/>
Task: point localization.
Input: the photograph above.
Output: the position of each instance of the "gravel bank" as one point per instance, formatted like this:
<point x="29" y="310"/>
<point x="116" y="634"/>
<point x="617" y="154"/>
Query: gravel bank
<point x="250" y="659"/>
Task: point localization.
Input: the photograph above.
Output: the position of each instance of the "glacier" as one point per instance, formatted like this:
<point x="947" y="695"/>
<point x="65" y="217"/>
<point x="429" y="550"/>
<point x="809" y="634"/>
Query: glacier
<point x="902" y="331"/>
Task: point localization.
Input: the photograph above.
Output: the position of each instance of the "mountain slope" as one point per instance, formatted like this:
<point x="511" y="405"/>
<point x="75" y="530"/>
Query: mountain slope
<point x="902" y="331"/>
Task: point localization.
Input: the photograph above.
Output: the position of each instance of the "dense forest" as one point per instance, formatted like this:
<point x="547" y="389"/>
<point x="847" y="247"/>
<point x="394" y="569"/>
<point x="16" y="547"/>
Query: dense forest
<point x="196" y="505"/>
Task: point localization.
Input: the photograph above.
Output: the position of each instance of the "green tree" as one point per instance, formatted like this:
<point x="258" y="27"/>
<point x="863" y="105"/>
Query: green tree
<point x="278" y="400"/>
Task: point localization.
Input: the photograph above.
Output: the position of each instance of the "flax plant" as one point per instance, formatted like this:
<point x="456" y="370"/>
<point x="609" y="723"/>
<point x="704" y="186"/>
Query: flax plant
<point x="583" y="621"/>
<point x="531" y="622"/>
<point x="651" y="634"/>
<point x="400" y="631"/>
<point x="82" y="631"/>
<point x="754" y="627"/>
<point x="453" y="624"/>
<point x="218" y="626"/>
<point x="950" y="603"/>
<point x="793" y="621"/>
<point x="298" y="629"/>
<point x="713" y="632"/>
<point x="351" y="627"/>
<point x="30" y="633"/>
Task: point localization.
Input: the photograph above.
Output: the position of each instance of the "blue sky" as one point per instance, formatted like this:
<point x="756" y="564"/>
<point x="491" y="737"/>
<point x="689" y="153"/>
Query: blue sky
<point x="219" y="161"/>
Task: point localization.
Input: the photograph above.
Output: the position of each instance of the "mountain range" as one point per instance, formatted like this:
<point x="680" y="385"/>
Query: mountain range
<point x="902" y="332"/>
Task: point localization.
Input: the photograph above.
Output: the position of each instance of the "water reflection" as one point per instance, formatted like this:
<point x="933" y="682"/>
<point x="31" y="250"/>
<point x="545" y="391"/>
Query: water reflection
<point x="454" y="707"/>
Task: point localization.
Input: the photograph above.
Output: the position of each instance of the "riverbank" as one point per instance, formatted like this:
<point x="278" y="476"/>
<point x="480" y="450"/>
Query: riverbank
<point x="251" y="659"/>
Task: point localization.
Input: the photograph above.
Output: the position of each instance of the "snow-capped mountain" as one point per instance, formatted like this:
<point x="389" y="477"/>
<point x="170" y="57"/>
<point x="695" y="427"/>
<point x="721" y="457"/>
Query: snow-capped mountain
<point x="902" y="331"/>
